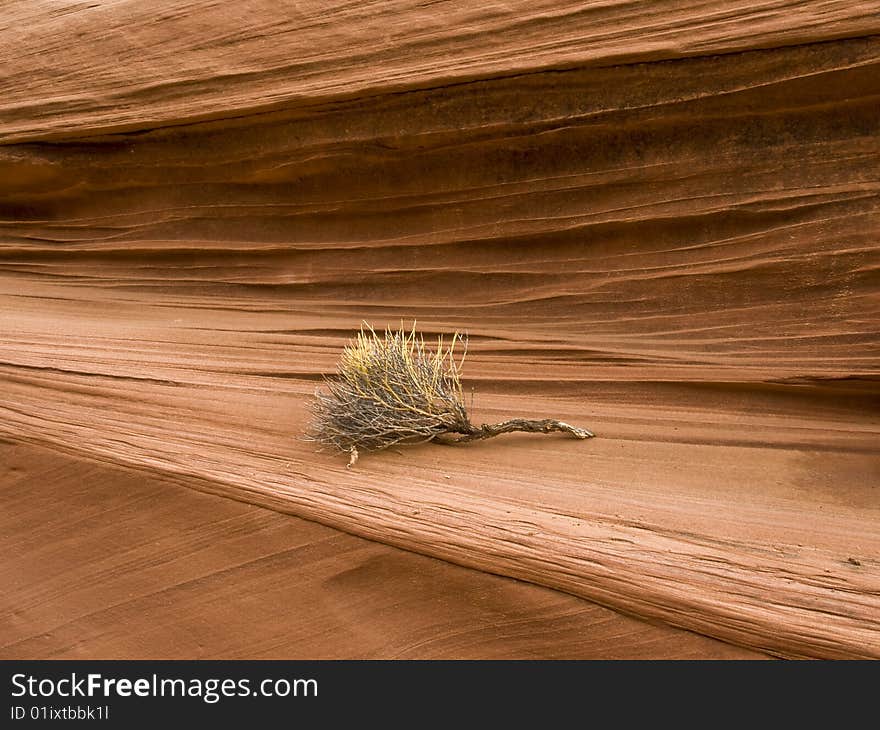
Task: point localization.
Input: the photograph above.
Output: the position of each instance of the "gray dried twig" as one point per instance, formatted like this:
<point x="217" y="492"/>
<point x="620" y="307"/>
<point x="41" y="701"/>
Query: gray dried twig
<point x="393" y="389"/>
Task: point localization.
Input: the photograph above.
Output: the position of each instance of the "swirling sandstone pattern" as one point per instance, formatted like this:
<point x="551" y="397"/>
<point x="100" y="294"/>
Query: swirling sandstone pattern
<point x="655" y="220"/>
<point x="191" y="576"/>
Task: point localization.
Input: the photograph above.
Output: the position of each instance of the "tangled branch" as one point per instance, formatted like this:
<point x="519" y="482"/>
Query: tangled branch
<point x="393" y="389"/>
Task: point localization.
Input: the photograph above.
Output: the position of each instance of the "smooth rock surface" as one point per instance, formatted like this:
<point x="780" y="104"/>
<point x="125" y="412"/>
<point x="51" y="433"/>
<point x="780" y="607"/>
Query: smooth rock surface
<point x="103" y="563"/>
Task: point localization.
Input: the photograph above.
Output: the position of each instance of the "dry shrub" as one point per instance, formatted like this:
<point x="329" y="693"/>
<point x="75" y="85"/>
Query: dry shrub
<point x="392" y="389"/>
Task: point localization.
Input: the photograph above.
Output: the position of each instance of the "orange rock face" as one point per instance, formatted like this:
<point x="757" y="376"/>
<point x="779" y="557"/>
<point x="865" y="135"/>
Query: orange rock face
<point x="165" y="572"/>
<point x="659" y="223"/>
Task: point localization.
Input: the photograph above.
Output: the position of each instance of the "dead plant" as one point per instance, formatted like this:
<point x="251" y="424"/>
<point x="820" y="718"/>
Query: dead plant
<point x="393" y="389"/>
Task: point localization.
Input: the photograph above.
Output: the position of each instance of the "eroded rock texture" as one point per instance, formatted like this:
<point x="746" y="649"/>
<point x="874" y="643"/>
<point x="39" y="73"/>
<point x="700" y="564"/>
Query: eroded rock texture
<point x="658" y="221"/>
<point x="191" y="576"/>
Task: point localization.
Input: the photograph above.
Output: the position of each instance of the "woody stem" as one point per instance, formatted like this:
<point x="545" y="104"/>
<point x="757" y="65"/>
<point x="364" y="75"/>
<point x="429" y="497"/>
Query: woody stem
<point x="546" y="425"/>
